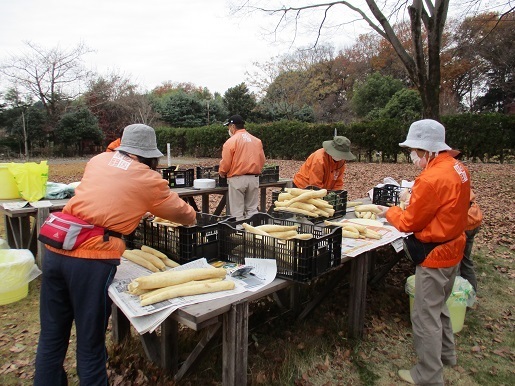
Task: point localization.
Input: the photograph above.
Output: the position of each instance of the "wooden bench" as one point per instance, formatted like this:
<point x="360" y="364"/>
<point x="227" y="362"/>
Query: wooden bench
<point x="230" y="313"/>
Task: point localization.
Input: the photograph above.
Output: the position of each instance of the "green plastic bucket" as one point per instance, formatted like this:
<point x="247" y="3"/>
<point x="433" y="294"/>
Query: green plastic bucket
<point x="457" y="305"/>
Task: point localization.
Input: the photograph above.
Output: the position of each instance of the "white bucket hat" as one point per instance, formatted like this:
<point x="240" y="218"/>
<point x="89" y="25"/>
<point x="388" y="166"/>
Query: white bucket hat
<point x="139" y="139"/>
<point x="426" y="134"/>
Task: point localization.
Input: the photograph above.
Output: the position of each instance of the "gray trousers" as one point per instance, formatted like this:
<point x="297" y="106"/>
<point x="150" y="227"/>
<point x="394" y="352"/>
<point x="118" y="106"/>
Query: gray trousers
<point x="432" y="330"/>
<point x="243" y="196"/>
<point x="466" y="267"/>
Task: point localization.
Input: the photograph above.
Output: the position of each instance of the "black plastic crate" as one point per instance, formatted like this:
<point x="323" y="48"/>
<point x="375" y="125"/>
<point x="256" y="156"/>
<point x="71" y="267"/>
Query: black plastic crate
<point x="211" y="172"/>
<point x="297" y="260"/>
<point x="337" y="198"/>
<point x="388" y="195"/>
<point x="182" y="243"/>
<point x="178" y="178"/>
<point x="269" y="174"/>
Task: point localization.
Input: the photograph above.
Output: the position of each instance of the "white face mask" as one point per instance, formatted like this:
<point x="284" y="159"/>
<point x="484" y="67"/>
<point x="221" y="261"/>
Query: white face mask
<point x="417" y="161"/>
<point x="337" y="159"/>
<point x="229" y="131"/>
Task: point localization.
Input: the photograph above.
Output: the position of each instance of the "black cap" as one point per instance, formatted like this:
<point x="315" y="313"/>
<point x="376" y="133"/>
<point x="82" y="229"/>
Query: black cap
<point x="236" y="119"/>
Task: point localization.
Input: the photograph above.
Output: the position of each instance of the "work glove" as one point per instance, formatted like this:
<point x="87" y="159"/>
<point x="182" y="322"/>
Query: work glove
<point x="383" y="209"/>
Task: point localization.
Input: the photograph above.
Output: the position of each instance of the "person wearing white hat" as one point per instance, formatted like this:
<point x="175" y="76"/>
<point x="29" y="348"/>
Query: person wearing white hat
<point x="437" y="216"/>
<point x="325" y="167"/>
<point x="116" y="190"/>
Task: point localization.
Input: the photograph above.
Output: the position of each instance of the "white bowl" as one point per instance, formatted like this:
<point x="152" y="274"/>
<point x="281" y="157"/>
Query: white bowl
<point x="204" y="183"/>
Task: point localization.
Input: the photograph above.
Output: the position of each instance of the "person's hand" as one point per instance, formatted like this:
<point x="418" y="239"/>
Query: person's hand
<point x="405" y="196"/>
<point x="383" y="210"/>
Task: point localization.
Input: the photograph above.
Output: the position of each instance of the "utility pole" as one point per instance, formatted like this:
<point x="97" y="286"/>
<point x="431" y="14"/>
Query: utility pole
<point x="25" y="139"/>
<point x="208" y="112"/>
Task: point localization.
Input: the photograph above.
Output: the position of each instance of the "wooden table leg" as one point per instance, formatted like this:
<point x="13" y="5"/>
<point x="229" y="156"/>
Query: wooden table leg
<point x="169" y="345"/>
<point x="262" y="199"/>
<point x="235" y="344"/>
<point x="221" y="206"/>
<point x="17" y="230"/>
<point x="120" y="325"/>
<point x="358" y="294"/>
<point x="205" y="203"/>
<point x="199" y="349"/>
<point x="41" y="216"/>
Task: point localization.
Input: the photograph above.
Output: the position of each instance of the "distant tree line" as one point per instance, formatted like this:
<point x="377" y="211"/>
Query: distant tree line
<point x="488" y="137"/>
<point x="56" y="107"/>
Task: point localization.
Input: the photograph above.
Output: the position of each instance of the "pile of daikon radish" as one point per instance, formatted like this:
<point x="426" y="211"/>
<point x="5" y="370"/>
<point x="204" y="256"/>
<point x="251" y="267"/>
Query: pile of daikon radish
<point x="355" y="231"/>
<point x="149" y="258"/>
<point x="161" y="286"/>
<point x="283" y="232"/>
<point x="304" y="201"/>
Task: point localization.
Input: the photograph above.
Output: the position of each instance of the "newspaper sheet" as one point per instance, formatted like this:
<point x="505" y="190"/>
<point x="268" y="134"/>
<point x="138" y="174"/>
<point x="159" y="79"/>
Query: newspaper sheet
<point x="355" y="247"/>
<point x="262" y="272"/>
<point x="148" y="318"/>
<point x="25" y="204"/>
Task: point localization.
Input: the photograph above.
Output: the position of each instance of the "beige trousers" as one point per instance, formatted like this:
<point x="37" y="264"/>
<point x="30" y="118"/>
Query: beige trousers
<point x="243" y="196"/>
<point x="432" y="330"/>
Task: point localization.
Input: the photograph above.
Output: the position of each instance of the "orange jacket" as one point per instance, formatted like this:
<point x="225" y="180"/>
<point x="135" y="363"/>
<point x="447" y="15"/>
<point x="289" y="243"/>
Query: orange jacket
<point x="437" y="212"/>
<point x="113" y="145"/>
<point x="242" y="154"/>
<point x="475" y="217"/>
<point x="114" y="193"/>
<point x="322" y="171"/>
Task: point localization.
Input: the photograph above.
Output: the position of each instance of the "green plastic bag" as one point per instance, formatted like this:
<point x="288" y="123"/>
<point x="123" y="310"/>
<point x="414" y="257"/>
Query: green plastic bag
<point x="31" y="179"/>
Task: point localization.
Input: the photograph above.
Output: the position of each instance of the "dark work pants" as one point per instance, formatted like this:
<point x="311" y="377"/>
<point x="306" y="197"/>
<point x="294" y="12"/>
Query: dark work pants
<point x="73" y="289"/>
<point x="466" y="268"/>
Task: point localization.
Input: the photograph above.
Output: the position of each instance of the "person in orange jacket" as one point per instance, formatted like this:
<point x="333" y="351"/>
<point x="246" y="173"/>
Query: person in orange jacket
<point x="325" y="167"/>
<point x="474" y="221"/>
<point x="116" y="191"/>
<point x="437" y="216"/>
<point x="116" y="143"/>
<point x="242" y="161"/>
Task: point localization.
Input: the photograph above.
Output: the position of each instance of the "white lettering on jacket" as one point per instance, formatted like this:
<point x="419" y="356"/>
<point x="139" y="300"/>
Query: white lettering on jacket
<point x="246" y="137"/>
<point x="120" y="161"/>
<point x="461" y="172"/>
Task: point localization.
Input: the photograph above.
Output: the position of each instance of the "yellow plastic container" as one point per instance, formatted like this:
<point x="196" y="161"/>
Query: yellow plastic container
<point x="457" y="304"/>
<point x="8" y="187"/>
<point x="15" y="268"/>
<point x="456" y="308"/>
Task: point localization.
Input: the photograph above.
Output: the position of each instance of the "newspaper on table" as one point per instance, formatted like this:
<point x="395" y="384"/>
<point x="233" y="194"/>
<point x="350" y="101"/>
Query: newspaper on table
<point x="254" y="274"/>
<point x="355" y="247"/>
<point x="25" y="204"/>
<point x="148" y="318"/>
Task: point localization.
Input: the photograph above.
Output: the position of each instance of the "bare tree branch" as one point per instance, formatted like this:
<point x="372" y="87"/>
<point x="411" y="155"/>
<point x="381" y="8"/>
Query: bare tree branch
<point x="50" y="75"/>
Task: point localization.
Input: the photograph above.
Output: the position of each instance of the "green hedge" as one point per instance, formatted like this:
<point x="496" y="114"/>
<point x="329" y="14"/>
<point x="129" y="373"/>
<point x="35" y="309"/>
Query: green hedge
<point x="485" y="136"/>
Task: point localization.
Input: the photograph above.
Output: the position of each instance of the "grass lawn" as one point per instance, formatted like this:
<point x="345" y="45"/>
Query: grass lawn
<point x="315" y="351"/>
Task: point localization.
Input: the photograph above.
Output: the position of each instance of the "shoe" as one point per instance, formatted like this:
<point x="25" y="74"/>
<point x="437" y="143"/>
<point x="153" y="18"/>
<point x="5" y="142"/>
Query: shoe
<point x="449" y="362"/>
<point x="405" y="375"/>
